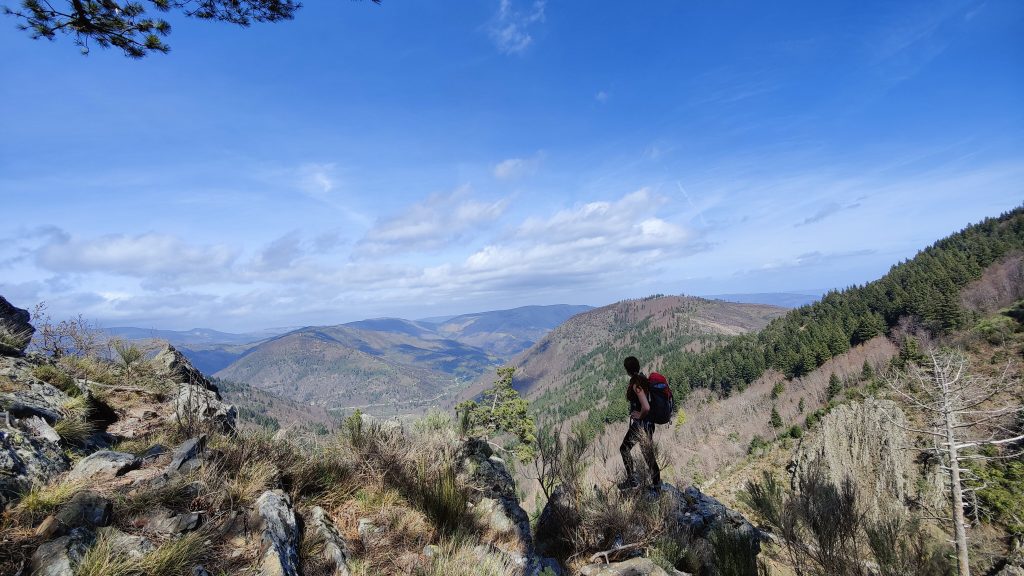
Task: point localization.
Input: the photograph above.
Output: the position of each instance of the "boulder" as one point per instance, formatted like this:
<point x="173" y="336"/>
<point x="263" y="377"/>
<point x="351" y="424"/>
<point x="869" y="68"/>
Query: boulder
<point x="197" y="406"/>
<point x="31" y="397"/>
<point x="60" y="557"/>
<point x="335" y="550"/>
<point x="15" y="330"/>
<point x="701" y="514"/>
<point x="498" y="503"/>
<point x="187" y="456"/>
<point x="85" y="508"/>
<point x="41" y="429"/>
<point x="173" y="365"/>
<point x="170" y="524"/>
<point x="25" y="460"/>
<point x="104" y="465"/>
<point x="280" y="534"/>
<point x="631" y="567"/>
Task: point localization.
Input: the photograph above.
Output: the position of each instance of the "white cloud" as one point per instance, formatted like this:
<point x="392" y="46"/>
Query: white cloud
<point x="510" y="30"/>
<point x="601" y="96"/>
<point x="512" y="168"/>
<point x="317" y="180"/>
<point x="581" y="247"/>
<point x="430" y="225"/>
<point x="149" y="256"/>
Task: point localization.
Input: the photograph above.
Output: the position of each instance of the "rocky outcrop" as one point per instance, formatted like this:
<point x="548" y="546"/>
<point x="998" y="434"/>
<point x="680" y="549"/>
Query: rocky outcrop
<point x="498" y="508"/>
<point x="25" y="395"/>
<point x="104" y="465"/>
<point x="693" y="515"/>
<point x="701" y="515"/>
<point x="25" y="459"/>
<point x="173" y="365"/>
<point x="866" y="442"/>
<point x="15" y="330"/>
<point x="195" y="406"/>
<point x="60" y="557"/>
<point x="280" y="534"/>
<point x="335" y="551"/>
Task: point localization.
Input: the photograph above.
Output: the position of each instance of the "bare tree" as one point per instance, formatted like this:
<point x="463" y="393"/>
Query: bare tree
<point x="962" y="412"/>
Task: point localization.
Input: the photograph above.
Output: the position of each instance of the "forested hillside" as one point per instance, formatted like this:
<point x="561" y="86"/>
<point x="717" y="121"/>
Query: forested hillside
<point x="926" y="287"/>
<point x="575" y="373"/>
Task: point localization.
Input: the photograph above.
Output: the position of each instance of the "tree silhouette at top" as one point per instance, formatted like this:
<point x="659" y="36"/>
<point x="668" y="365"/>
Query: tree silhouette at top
<point x="130" y="27"/>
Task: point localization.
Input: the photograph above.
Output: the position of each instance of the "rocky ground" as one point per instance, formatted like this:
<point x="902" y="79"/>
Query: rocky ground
<point x="133" y="466"/>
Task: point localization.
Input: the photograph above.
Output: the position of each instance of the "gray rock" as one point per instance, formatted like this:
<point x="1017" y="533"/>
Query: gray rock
<point x="25" y="460"/>
<point x="130" y="545"/>
<point x="367" y="530"/>
<point x="104" y="465"/>
<point x="195" y="404"/>
<point x="60" y="557"/>
<point x="280" y="534"/>
<point x="866" y="442"/>
<point x="187" y="455"/>
<point x="200" y="571"/>
<point x="169" y="363"/>
<point x="335" y="550"/>
<point x="479" y="467"/>
<point x="154" y="451"/>
<point x="164" y="522"/>
<point x="15" y="328"/>
<point x="41" y="429"/>
<point x="631" y="567"/>
<point x="85" y="508"/>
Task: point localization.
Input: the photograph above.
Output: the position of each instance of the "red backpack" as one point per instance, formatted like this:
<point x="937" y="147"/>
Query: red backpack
<point x="662" y="403"/>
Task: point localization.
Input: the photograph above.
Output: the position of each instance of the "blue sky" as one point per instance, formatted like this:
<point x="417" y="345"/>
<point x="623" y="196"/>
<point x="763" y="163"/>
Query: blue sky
<point x="417" y="159"/>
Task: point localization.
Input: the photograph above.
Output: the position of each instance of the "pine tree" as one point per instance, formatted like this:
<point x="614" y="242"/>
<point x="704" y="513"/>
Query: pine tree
<point x="501" y="410"/>
<point x="835" y="386"/>
<point x="866" y="371"/>
<point x="776" y="419"/>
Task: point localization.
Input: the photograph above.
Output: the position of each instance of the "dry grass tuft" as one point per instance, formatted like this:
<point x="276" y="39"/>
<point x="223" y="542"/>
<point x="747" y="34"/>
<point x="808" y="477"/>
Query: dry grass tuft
<point x="42" y="500"/>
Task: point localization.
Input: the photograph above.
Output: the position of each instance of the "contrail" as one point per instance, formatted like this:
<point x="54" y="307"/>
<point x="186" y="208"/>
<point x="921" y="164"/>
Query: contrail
<point x="700" y="213"/>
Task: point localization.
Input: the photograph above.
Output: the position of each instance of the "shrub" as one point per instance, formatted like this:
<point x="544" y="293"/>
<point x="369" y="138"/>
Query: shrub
<point x="57" y="378"/>
<point x="757" y="445"/>
<point x="795" y="431"/>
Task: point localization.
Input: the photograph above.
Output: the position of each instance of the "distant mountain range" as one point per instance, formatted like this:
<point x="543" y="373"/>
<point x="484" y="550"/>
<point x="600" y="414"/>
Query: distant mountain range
<point x="378" y="364"/>
<point x="193" y="336"/>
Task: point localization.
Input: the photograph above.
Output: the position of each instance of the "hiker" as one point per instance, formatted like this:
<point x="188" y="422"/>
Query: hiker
<point x="641" y="427"/>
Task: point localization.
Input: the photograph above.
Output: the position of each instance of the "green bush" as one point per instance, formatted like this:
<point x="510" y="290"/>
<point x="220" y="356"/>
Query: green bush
<point x="795" y="431"/>
<point x="56" y="378"/>
<point x="757" y="444"/>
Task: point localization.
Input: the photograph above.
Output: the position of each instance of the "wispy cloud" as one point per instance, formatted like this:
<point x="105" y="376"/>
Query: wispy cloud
<point x="511" y="28"/>
<point x="602" y="96"/>
<point x="430" y="225"/>
<point x="826" y="211"/>
<point x="512" y="168"/>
